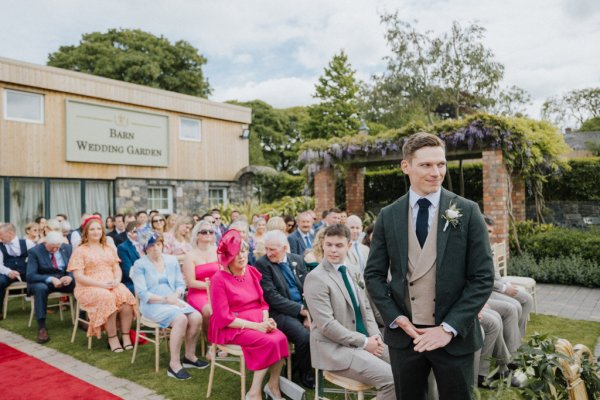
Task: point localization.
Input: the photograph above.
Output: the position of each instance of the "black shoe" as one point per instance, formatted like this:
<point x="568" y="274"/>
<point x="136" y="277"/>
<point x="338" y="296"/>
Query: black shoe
<point x="182" y="374"/>
<point x="307" y="380"/>
<point x="194" y="364"/>
<point x="482" y="382"/>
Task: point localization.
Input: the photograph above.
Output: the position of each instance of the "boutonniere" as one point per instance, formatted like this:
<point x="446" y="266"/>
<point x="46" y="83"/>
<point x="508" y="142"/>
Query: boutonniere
<point x="294" y="264"/>
<point x="357" y="277"/>
<point x="452" y="216"/>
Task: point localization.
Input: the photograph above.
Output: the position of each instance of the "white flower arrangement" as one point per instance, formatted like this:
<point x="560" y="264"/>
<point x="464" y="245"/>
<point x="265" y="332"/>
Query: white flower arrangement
<point x="452" y="216"/>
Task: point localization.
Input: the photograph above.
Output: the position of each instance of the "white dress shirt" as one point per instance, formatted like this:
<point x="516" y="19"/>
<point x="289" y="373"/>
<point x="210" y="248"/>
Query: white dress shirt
<point x="13" y="248"/>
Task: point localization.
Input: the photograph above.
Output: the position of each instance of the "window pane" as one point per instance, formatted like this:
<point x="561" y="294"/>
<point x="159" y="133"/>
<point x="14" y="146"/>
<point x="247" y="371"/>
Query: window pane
<point x="159" y="199"/>
<point x="22" y="105"/>
<point x="217" y="197"/>
<point x="189" y="129"/>
<point x="26" y="202"/>
<point x="65" y="198"/>
<point x="98" y="197"/>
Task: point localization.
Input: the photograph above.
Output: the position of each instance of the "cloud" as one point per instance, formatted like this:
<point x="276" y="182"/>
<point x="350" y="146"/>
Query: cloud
<point x="280" y="93"/>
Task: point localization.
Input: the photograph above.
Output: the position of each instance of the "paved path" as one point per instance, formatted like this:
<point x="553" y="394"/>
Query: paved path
<point x="95" y="376"/>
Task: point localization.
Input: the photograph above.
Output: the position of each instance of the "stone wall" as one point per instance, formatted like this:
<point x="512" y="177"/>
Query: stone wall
<point x="557" y="210"/>
<point x="189" y="197"/>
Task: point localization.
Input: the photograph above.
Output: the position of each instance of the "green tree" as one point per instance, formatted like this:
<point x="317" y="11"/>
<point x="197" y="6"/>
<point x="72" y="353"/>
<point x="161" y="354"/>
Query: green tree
<point x="275" y="135"/>
<point x="135" y="56"/>
<point x="576" y="106"/>
<point x="337" y="113"/>
<point x="590" y="125"/>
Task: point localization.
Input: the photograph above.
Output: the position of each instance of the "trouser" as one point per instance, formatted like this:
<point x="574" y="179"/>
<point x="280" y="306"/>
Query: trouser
<point x="296" y="333"/>
<point x="523" y="300"/>
<point x="5" y="282"/>
<point x="40" y="291"/>
<point x="453" y="374"/>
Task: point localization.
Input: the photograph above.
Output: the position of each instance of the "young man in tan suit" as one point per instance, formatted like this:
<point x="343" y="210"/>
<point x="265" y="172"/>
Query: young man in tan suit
<point x="344" y="338"/>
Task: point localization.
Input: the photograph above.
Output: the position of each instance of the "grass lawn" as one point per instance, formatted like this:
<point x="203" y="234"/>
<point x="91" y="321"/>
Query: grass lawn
<point x="226" y="385"/>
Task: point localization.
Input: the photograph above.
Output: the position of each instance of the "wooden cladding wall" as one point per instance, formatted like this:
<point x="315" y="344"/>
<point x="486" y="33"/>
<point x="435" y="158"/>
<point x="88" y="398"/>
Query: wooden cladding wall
<point x="39" y="150"/>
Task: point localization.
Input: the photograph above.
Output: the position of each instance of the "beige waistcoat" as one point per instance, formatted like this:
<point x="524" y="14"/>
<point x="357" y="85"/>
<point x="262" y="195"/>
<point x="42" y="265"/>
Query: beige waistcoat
<point x="420" y="293"/>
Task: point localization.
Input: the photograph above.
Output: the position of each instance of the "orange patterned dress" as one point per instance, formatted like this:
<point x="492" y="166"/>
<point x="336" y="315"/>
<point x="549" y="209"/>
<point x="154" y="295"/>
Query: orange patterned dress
<point x="99" y="303"/>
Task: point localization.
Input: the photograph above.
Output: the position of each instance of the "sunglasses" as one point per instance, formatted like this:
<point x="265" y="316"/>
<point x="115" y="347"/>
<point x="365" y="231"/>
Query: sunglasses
<point x="158" y="220"/>
<point x="203" y="232"/>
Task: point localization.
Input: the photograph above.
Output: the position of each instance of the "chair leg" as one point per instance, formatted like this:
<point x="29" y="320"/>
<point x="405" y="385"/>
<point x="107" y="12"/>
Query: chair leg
<point x="89" y="342"/>
<point x="361" y="395"/>
<point x="156" y="347"/>
<point x="534" y="302"/>
<point x="317" y="384"/>
<point x="137" y="335"/>
<point x="71" y="308"/>
<point x="211" y="375"/>
<point x="75" y="323"/>
<point x="243" y="376"/>
<point x="32" y="311"/>
<point x="5" y="305"/>
<point x="60" y="310"/>
<point x="289" y="367"/>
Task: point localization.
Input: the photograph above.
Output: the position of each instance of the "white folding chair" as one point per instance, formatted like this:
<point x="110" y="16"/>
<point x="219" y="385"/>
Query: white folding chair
<point x="21" y="288"/>
<point x="154" y="329"/>
<point x="59" y="305"/>
<point x="501" y="264"/>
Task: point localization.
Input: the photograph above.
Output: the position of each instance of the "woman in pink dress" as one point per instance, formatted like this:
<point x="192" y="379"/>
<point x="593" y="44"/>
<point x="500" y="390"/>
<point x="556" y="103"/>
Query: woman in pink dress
<point x="241" y="316"/>
<point x="98" y="287"/>
<point x="200" y="263"/>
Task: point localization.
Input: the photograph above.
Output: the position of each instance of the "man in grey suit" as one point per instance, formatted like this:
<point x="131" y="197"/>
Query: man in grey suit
<point x="344" y="337"/>
<point x="302" y="238"/>
<point x="434" y="246"/>
<point x="46" y="273"/>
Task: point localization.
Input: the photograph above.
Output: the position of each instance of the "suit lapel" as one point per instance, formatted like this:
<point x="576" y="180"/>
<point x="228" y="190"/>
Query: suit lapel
<point x="400" y="229"/>
<point x="294" y="272"/>
<point x="279" y="275"/>
<point x="442" y="237"/>
<point x="335" y="276"/>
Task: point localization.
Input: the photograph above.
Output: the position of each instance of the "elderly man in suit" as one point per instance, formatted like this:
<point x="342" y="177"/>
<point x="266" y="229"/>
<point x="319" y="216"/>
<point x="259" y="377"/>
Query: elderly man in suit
<point x="302" y="238"/>
<point x="434" y="245"/>
<point x="344" y="337"/>
<point x="358" y="253"/>
<point x="47" y="273"/>
<point x="282" y="283"/>
<point x="128" y="254"/>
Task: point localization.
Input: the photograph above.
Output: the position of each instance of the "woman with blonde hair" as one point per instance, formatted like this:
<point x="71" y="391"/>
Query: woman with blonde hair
<point x="32" y="232"/>
<point x="177" y="242"/>
<point x="277" y="223"/>
<point x="314" y="255"/>
<point x="199" y="264"/>
<point x="98" y="289"/>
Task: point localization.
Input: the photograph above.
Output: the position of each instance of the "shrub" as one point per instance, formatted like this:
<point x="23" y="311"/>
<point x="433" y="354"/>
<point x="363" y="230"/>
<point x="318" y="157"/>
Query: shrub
<point x="560" y="242"/>
<point x="273" y="187"/>
<point x="564" y="270"/>
<point x="578" y="184"/>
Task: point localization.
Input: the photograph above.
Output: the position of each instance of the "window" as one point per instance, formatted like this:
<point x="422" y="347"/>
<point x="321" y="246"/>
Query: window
<point x="27" y="201"/>
<point x="161" y="199"/>
<point x="98" y="197"/>
<point x="217" y="197"/>
<point x="190" y="129"/>
<point x="65" y="198"/>
<point x="23" y="106"/>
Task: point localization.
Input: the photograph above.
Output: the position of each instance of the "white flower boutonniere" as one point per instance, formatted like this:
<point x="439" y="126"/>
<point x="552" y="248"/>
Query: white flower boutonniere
<point x="294" y="264"/>
<point x="452" y="216"/>
<point x="358" y="280"/>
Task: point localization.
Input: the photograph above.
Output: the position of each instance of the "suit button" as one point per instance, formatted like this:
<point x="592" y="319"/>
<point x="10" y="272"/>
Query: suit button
<point x="412" y="298"/>
<point x="434" y="300"/>
<point x="434" y="314"/>
<point x="352" y="321"/>
<point x="410" y="284"/>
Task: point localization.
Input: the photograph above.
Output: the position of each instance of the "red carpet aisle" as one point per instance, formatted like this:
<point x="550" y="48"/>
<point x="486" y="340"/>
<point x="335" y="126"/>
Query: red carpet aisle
<point x="25" y="377"/>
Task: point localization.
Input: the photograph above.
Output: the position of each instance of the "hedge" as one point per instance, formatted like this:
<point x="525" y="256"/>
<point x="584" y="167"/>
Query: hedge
<point x="564" y="270"/>
<point x="563" y="242"/>
<point x="578" y="184"/>
<point x="273" y="187"/>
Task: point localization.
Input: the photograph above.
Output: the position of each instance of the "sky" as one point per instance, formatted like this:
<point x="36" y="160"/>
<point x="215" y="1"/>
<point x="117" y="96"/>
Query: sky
<point x="275" y="50"/>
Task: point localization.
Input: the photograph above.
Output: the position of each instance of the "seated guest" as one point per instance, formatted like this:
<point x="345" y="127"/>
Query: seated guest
<point x="242" y="227"/>
<point x="75" y="236"/>
<point x="47" y="273"/>
<point x="314" y="255"/>
<point x="345" y="337"/>
<point x="177" y="242"/>
<point x="32" y="232"/>
<point x="109" y="224"/>
<point x="290" y="224"/>
<point x="493" y="345"/>
<point x="158" y="224"/>
<point x="128" y="255"/>
<point x="41" y="221"/>
<point x="260" y="228"/>
<point x="159" y="285"/>
<point x="201" y="263"/>
<point x="282" y="283"/>
<point x="276" y="223"/>
<point x="13" y="257"/>
<point x="358" y="253"/>
<point x="241" y="316"/>
<point x="98" y="288"/>
<point x="302" y="238"/>
<point x="368" y="235"/>
<point x="54" y="225"/>
<point x="118" y="234"/>
<point x="171" y="220"/>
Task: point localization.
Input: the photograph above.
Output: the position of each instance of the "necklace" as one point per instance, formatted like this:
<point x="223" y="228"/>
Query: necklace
<point x="239" y="278"/>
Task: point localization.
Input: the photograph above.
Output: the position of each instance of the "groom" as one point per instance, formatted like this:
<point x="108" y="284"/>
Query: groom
<point x="434" y="245"/>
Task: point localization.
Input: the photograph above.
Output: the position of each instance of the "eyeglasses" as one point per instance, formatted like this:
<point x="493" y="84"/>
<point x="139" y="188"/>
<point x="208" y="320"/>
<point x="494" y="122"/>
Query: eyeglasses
<point x="133" y="231"/>
<point x="290" y="225"/>
<point x="203" y="232"/>
<point x="158" y="220"/>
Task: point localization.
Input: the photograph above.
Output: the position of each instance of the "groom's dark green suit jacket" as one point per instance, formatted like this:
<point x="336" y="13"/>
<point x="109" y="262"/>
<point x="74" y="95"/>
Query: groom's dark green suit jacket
<point x="464" y="271"/>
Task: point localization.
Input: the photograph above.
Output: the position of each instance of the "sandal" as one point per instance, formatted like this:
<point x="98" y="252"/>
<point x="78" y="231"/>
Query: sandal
<point x="116" y="349"/>
<point x="127" y="346"/>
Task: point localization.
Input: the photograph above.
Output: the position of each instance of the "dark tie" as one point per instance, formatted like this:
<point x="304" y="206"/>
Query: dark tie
<point x="53" y="259"/>
<point x="423" y="220"/>
<point x="307" y="240"/>
<point x="360" y="324"/>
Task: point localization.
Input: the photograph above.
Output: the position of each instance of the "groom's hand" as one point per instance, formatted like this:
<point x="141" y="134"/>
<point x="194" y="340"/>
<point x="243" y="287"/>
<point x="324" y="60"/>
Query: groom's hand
<point x="431" y="339"/>
<point x="404" y="323"/>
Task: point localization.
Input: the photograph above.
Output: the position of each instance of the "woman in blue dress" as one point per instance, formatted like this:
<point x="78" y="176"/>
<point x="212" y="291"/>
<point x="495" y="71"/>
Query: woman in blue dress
<point x="159" y="285"/>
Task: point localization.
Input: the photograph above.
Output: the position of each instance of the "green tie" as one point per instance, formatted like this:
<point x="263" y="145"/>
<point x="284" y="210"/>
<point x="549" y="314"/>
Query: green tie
<point x="360" y="325"/>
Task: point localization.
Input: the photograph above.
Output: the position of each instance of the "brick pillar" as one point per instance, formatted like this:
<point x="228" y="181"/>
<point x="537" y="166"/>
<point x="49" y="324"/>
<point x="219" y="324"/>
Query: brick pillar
<point x="495" y="193"/>
<point x="518" y="198"/>
<point x="324" y="190"/>
<point x="355" y="191"/>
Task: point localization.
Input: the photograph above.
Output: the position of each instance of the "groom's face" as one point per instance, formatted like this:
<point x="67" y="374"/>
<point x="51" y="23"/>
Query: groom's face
<point x="426" y="169"/>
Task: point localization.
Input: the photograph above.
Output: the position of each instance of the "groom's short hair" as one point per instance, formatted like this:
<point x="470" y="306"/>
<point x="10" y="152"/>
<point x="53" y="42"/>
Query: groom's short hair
<point x="419" y="140"/>
<point x="337" y="230"/>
